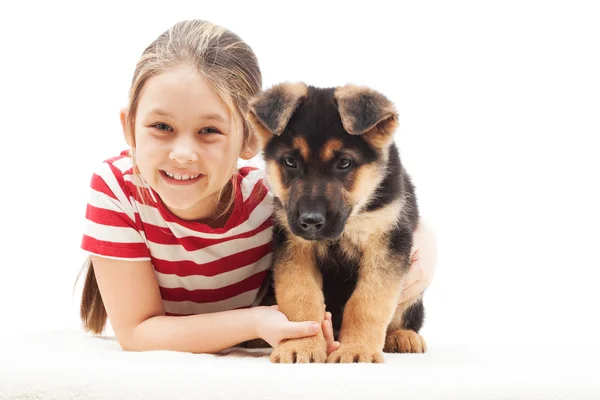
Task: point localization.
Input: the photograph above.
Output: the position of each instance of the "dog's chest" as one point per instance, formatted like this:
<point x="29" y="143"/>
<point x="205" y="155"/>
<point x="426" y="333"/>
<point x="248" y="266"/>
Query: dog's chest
<point x="340" y="274"/>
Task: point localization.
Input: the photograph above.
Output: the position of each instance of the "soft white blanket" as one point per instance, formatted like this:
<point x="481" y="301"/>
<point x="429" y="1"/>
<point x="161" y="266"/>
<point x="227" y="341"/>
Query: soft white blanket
<point x="74" y="365"/>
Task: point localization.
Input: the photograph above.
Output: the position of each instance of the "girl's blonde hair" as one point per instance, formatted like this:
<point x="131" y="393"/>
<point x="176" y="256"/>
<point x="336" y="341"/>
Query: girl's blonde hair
<point x="231" y="69"/>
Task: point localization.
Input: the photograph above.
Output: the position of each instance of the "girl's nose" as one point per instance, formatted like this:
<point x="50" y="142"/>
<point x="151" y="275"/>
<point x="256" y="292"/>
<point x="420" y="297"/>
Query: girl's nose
<point x="183" y="151"/>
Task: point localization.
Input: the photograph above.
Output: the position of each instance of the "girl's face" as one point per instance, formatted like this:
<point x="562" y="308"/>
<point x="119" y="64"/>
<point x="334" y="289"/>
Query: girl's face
<point x="186" y="141"/>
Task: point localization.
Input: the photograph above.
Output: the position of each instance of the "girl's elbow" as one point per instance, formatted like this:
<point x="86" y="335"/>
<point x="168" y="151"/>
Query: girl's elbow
<point x="131" y="340"/>
<point x="129" y="344"/>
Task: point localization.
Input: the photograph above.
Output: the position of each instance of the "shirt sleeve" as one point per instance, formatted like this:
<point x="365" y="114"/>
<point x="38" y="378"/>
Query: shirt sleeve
<point x="111" y="229"/>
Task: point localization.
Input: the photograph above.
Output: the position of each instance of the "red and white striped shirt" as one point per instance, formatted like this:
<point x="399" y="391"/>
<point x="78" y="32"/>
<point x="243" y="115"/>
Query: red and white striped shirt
<point x="199" y="269"/>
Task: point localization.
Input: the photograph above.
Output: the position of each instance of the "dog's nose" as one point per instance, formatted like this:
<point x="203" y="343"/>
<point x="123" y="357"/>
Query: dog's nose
<point x="312" y="222"/>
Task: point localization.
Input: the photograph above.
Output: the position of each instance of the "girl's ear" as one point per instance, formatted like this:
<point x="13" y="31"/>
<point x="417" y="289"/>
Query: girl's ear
<point x="123" y="117"/>
<point x="251" y="148"/>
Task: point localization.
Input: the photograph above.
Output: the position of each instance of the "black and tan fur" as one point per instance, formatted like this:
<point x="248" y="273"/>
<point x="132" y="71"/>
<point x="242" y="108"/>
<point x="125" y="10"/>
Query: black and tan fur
<point x="343" y="232"/>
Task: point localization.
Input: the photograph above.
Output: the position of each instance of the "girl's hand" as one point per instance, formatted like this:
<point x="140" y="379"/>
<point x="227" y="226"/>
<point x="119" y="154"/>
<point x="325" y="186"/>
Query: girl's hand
<point x="273" y="327"/>
<point x="423" y="263"/>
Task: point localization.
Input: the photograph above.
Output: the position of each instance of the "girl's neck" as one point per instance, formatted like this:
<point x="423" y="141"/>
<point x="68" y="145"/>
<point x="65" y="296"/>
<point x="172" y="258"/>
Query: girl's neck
<point x="223" y="210"/>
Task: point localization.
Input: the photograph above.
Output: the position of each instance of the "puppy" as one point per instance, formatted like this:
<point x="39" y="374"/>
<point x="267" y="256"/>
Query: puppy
<point x="345" y="213"/>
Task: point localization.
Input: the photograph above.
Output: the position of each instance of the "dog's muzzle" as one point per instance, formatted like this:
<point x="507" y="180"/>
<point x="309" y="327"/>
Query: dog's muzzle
<point x="310" y="219"/>
<point x="316" y="218"/>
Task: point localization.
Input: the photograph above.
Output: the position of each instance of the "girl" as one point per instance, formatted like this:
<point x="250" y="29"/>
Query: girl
<point x="178" y="236"/>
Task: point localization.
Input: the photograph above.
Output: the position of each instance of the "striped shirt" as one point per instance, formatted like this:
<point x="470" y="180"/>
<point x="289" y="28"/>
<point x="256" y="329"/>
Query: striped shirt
<point x="199" y="269"/>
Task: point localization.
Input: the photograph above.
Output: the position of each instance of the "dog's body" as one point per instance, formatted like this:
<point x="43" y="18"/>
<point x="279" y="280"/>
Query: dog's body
<point x="345" y="213"/>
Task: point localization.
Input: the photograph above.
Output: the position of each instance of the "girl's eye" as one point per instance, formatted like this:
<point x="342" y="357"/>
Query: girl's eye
<point x="163" y="127"/>
<point x="290" y="162"/>
<point x="344" y="163"/>
<point x="210" y="131"/>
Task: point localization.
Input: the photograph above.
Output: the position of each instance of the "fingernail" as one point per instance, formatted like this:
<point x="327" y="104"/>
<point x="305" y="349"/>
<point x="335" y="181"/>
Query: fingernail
<point x="314" y="327"/>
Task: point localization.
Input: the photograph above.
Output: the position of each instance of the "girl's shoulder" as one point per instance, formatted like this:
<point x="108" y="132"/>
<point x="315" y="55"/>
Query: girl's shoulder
<point x="119" y="170"/>
<point x="253" y="173"/>
<point x="254" y="166"/>
<point x="251" y="179"/>
<point x="114" y="178"/>
<point x="118" y="166"/>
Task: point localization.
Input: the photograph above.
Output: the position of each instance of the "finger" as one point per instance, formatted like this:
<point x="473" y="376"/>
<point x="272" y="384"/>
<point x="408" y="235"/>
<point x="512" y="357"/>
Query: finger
<point x="327" y="331"/>
<point x="414" y="274"/>
<point x="414" y="257"/>
<point x="411" y="291"/>
<point x="332" y="345"/>
<point x="410" y="279"/>
<point x="336" y="345"/>
<point x="276" y="307"/>
<point x="300" y="329"/>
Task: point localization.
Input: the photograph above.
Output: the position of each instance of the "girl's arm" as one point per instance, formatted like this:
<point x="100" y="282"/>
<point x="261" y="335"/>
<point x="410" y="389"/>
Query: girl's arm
<point x="132" y="300"/>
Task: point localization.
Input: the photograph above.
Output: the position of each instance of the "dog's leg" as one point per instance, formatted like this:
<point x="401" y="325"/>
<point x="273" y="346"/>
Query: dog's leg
<point x="299" y="294"/>
<point x="403" y="332"/>
<point x="370" y="309"/>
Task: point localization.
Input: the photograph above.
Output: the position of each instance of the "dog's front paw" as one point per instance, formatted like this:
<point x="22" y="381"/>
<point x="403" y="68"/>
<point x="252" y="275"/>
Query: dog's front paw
<point x="404" y="341"/>
<point x="304" y="350"/>
<point x="355" y="354"/>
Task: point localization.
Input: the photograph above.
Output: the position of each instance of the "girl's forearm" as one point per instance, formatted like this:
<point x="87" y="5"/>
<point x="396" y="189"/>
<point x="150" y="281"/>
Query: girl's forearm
<point x="201" y="333"/>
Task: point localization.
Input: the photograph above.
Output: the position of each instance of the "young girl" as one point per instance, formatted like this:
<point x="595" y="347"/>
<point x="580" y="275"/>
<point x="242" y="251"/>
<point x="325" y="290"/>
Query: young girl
<point x="178" y="235"/>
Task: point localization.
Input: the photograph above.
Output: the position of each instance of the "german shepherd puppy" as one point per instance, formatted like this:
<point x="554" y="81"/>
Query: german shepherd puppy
<point x="345" y="213"/>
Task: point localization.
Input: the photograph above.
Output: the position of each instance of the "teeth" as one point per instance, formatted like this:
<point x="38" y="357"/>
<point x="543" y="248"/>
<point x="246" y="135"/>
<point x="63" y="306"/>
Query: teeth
<point x="180" y="177"/>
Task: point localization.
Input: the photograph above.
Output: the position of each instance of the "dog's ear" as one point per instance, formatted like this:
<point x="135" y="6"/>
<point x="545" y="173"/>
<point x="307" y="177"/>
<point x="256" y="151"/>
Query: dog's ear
<point x="366" y="111"/>
<point x="270" y="111"/>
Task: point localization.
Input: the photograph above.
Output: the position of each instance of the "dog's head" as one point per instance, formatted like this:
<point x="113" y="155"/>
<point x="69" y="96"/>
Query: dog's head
<point x="325" y="150"/>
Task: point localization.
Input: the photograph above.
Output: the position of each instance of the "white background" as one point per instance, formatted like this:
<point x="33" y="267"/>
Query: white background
<point x="499" y="124"/>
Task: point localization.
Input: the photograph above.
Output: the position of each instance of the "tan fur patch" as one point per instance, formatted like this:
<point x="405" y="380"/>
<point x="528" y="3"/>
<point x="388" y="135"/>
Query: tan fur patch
<point x="405" y="341"/>
<point x="361" y="228"/>
<point x="366" y="179"/>
<point x="274" y="178"/>
<point x="298" y="282"/>
<point x="285" y="97"/>
<point x="311" y="349"/>
<point x="299" y="143"/>
<point x="321" y="249"/>
<point x="293" y="93"/>
<point x="356" y="353"/>
<point x="348" y="94"/>
<point x="330" y="190"/>
<point x="382" y="135"/>
<point x="263" y="135"/>
<point x="294" y="90"/>
<point x="330" y="148"/>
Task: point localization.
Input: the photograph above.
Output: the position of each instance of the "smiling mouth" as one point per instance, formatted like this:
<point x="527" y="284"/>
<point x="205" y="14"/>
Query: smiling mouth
<point x="180" y="178"/>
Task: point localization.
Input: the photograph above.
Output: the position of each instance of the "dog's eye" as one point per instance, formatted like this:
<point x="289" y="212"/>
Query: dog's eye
<point x="344" y="163"/>
<point x="290" y="162"/>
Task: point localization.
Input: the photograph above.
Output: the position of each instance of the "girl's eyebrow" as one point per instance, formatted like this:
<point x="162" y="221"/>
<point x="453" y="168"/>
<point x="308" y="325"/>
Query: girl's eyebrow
<point x="211" y="116"/>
